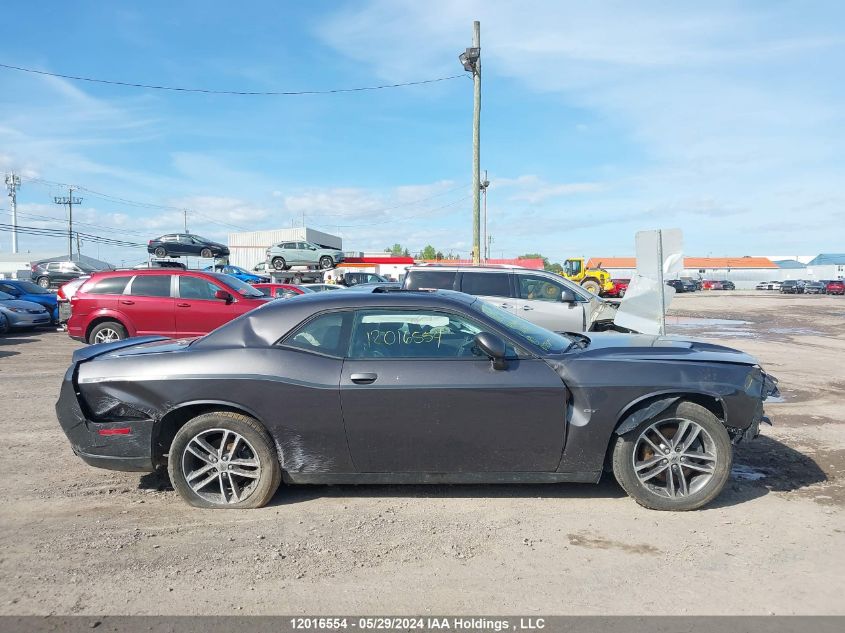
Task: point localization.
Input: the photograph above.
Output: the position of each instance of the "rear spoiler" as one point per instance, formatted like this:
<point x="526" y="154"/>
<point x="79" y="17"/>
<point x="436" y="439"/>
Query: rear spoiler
<point x="87" y="353"/>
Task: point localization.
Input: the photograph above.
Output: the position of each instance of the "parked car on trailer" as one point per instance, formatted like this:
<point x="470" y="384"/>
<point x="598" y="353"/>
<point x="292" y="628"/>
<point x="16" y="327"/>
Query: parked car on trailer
<point x="22" y="315"/>
<point x="282" y="291"/>
<point x="286" y="254"/>
<point x="186" y="244"/>
<point x="118" y="304"/>
<point x="27" y="291"/>
<point x="412" y="387"/>
<point x="835" y="287"/>
<point x="238" y="273"/>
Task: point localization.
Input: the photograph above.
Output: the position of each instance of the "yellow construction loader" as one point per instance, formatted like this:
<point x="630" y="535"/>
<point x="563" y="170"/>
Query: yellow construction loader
<point x="596" y="280"/>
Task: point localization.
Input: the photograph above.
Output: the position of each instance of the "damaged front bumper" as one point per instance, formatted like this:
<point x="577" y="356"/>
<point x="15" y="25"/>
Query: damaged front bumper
<point x="115" y="445"/>
<point x="768" y="388"/>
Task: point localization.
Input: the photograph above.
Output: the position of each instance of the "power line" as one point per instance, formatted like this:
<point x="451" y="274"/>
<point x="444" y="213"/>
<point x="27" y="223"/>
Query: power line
<point x="62" y="233"/>
<point x="229" y="92"/>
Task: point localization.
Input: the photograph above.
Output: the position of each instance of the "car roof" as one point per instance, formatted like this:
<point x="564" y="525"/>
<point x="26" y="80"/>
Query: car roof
<point x="265" y="325"/>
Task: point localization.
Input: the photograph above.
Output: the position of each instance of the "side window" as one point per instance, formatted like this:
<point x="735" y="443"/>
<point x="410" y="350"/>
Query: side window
<point x="196" y="288"/>
<point x="289" y="246"/>
<point x="150" y="286"/>
<point x="108" y="286"/>
<point x="534" y="287"/>
<point x="486" y="284"/>
<point x="412" y="334"/>
<point x="431" y="280"/>
<point x="325" y="334"/>
<point x="53" y="266"/>
<point x="284" y="293"/>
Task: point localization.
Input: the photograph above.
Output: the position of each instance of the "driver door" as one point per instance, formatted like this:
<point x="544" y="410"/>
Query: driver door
<point x="417" y="397"/>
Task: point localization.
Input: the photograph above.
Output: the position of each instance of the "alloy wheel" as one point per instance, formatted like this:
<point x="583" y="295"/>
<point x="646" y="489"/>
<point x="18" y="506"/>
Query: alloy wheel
<point x="675" y="458"/>
<point x="221" y="466"/>
<point x="107" y="335"/>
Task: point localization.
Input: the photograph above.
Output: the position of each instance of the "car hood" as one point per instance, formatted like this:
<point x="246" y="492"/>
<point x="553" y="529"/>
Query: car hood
<point x="650" y="347"/>
<point x="23" y="305"/>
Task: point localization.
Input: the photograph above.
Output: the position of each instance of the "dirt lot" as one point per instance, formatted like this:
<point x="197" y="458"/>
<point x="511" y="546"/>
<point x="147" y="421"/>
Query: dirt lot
<point x="77" y="540"/>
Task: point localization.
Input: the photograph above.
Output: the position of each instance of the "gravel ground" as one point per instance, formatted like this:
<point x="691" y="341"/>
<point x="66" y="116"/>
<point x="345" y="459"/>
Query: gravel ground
<point x="77" y="540"/>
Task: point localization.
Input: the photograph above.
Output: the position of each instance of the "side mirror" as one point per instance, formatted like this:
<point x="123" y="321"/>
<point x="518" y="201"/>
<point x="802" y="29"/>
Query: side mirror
<point x="493" y="347"/>
<point x="223" y="296"/>
<point x="567" y="296"/>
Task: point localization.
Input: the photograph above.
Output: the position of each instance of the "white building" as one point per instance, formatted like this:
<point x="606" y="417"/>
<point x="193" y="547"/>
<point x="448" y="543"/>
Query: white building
<point x="248" y="249"/>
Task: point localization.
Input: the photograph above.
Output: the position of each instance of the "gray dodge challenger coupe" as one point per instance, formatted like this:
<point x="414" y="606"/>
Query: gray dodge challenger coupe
<point x="393" y="386"/>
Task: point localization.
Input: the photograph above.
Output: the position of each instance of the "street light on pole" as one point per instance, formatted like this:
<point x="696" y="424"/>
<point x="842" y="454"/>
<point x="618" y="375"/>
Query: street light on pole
<point x="471" y="61"/>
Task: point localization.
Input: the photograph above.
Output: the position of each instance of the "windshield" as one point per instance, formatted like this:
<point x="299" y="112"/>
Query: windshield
<point x="239" y="286"/>
<point x="32" y="289"/>
<point x="526" y="331"/>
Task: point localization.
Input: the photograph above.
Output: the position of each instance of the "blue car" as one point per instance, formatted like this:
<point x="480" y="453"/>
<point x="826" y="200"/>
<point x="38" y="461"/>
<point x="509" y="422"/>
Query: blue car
<point x="28" y="291"/>
<point x="238" y="272"/>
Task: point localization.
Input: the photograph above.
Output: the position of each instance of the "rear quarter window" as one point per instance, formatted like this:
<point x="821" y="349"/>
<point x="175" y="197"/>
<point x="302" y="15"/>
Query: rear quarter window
<point x="430" y="280"/>
<point x="107" y="286"/>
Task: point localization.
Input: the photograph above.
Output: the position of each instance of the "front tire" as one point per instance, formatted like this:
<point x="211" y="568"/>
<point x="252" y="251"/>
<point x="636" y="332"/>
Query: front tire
<point x="44" y="282"/>
<point x="278" y="263"/>
<point x="679" y="460"/>
<point x="224" y="460"/>
<point x="107" y="332"/>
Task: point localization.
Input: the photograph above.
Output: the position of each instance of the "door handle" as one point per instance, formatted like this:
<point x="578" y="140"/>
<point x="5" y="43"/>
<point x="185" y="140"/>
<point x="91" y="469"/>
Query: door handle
<point x="363" y="379"/>
<point x="126" y="302"/>
<point x="183" y="305"/>
<point x="505" y="305"/>
<point x="527" y="308"/>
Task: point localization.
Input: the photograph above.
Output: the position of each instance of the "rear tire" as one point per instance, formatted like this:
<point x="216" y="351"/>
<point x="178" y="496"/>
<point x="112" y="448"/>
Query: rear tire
<point x="591" y="285"/>
<point x="107" y="332"/>
<point x="160" y="251"/>
<point x="44" y="282"/>
<point x="241" y="470"/>
<point x="326" y="262"/>
<point x="4" y="324"/>
<point x="278" y="263"/>
<point x="206" y="253"/>
<point x="693" y="472"/>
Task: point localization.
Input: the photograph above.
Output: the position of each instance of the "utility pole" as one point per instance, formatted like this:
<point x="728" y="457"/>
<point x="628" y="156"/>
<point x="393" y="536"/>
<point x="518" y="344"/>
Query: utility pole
<point x="485" y="251"/>
<point x="185" y="219"/>
<point x="68" y="200"/>
<point x="13" y="183"/>
<point x="471" y="61"/>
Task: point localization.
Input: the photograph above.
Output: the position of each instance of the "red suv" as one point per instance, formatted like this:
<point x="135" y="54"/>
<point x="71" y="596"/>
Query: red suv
<point x="114" y="305"/>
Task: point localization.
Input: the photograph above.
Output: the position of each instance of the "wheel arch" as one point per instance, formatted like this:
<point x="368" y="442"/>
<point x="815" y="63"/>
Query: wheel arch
<point x="653" y="404"/>
<point x="176" y="417"/>
<point x="102" y="317"/>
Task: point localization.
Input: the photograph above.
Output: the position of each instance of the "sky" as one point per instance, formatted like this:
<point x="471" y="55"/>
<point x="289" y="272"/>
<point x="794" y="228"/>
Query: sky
<point x="599" y="119"/>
